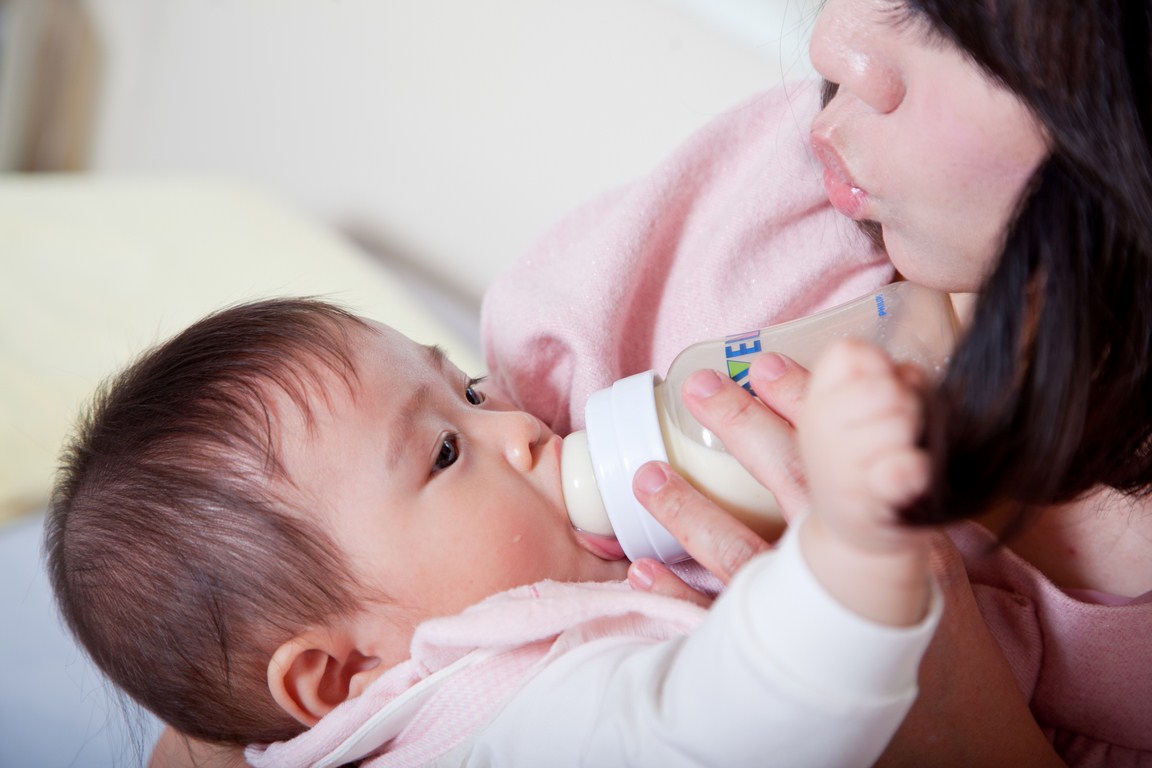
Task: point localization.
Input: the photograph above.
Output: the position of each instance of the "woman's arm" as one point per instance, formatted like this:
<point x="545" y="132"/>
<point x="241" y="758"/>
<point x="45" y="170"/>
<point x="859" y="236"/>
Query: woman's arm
<point x="970" y="710"/>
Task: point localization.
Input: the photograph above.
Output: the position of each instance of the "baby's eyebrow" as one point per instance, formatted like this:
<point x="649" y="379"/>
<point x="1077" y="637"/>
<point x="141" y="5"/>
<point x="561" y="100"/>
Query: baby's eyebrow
<point x="405" y="422"/>
<point x="436" y="356"/>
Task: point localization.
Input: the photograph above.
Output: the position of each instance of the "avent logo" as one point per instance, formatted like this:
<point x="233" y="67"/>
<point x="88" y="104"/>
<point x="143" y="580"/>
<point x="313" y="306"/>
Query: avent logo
<point x="881" y="310"/>
<point x="738" y="353"/>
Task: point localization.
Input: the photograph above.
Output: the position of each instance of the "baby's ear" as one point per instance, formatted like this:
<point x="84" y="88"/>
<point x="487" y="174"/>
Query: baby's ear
<point x="317" y="670"/>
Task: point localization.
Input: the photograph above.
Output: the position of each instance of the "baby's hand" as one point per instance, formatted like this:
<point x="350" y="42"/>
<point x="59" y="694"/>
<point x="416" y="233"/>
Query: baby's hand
<point x="857" y="432"/>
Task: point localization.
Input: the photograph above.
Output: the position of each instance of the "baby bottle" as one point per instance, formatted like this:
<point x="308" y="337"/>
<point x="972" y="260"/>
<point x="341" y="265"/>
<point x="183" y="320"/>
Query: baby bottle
<point x="642" y="418"/>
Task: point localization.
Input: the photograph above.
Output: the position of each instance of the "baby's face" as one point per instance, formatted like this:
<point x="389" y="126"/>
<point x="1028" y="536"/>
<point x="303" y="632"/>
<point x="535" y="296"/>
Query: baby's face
<point x="438" y="495"/>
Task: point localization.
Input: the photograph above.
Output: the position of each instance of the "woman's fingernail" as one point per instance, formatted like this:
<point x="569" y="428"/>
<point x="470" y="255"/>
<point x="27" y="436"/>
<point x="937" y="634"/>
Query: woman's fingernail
<point x="640" y="575"/>
<point x="771" y="366"/>
<point x="703" y="383"/>
<point x="650" y="478"/>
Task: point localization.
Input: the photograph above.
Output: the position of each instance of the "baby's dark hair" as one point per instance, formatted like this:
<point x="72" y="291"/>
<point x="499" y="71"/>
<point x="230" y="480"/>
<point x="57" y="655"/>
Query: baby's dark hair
<point x="178" y="556"/>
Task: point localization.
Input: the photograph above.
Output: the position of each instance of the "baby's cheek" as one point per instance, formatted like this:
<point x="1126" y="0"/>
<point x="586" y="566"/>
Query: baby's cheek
<point x="517" y="557"/>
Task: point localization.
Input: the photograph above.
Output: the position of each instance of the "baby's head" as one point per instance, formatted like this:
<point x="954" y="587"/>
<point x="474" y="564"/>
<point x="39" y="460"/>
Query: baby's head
<point x="253" y="518"/>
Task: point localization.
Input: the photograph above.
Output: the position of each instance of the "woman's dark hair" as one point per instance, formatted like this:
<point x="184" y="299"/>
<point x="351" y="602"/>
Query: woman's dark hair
<point x="1049" y="393"/>
<point x="177" y="554"/>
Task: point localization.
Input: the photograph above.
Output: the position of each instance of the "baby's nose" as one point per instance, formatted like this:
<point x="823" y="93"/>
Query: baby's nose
<point x="521" y="434"/>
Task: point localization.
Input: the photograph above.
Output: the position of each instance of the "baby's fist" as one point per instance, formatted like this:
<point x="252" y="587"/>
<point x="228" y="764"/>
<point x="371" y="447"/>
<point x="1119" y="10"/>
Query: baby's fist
<point x="858" y="434"/>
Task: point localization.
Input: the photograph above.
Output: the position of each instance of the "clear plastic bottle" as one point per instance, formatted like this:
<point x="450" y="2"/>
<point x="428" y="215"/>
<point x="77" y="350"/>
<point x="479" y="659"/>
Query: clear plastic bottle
<point x="642" y="418"/>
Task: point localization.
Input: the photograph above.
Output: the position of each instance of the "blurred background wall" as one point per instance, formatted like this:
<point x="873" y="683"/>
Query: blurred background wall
<point x="444" y="135"/>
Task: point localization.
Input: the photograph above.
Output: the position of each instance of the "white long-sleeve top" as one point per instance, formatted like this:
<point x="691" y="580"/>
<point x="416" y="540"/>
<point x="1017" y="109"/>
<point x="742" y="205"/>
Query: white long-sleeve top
<point x="777" y="672"/>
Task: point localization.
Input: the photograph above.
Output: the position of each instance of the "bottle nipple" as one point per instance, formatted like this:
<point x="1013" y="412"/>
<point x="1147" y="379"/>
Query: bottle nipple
<point x="597" y="465"/>
<point x="581" y="494"/>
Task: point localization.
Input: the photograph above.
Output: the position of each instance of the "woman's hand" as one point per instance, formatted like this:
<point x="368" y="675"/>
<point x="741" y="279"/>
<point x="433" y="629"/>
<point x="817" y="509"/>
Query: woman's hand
<point x="759" y="432"/>
<point x="859" y="424"/>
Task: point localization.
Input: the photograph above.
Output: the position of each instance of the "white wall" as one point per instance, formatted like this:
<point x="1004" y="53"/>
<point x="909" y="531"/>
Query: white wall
<point x="449" y="133"/>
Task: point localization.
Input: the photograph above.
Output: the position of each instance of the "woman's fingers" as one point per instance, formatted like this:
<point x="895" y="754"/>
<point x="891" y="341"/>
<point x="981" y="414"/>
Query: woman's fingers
<point x="711" y="536"/>
<point x="780" y="383"/>
<point x="758" y="431"/>
<point x="653" y="576"/>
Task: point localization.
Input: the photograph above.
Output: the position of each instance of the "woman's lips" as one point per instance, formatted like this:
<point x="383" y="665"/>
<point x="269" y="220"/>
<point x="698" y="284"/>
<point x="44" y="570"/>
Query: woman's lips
<point x="845" y="196"/>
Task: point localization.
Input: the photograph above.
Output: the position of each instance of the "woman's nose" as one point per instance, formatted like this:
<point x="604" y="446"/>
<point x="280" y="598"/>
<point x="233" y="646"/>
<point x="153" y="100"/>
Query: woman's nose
<point x="846" y="49"/>
<point x="518" y="434"/>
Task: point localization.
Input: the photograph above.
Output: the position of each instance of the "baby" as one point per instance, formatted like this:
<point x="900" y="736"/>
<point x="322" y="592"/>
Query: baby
<point x="272" y="525"/>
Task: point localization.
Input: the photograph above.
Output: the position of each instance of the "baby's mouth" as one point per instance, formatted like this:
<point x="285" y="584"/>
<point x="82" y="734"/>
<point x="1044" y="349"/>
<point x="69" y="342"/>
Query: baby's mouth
<point x="604" y="547"/>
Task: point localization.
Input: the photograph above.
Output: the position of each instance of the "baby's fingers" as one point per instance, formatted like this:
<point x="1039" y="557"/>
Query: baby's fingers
<point x="896" y="478"/>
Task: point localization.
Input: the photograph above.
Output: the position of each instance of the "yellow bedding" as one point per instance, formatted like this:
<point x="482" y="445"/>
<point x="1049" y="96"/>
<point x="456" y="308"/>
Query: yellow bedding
<point x="93" y="270"/>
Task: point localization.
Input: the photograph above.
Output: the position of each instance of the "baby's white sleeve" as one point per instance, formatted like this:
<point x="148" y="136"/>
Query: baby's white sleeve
<point x="779" y="673"/>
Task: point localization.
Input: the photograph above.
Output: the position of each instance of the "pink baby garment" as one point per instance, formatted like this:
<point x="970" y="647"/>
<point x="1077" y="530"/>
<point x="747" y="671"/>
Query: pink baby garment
<point x="463" y="667"/>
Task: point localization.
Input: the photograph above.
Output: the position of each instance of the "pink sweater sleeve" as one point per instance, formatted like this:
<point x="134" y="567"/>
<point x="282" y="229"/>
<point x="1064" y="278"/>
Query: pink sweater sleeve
<point x="731" y="233"/>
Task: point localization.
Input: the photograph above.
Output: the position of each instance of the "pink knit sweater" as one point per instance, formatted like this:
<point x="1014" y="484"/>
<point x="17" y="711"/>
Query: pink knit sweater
<point x="1086" y="667"/>
<point x="731" y="233"/>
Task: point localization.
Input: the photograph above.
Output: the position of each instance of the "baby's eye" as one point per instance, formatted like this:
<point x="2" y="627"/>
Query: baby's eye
<point x="448" y="453"/>
<point x="472" y="394"/>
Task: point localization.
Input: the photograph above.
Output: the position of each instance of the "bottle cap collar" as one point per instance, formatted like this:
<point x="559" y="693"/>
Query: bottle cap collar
<point x="623" y="434"/>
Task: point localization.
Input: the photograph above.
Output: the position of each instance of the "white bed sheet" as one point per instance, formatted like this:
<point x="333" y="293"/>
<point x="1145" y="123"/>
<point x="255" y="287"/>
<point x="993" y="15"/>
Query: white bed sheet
<point x="56" y="710"/>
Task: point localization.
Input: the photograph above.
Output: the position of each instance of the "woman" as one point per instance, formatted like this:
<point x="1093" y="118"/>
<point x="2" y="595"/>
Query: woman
<point x="997" y="148"/>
